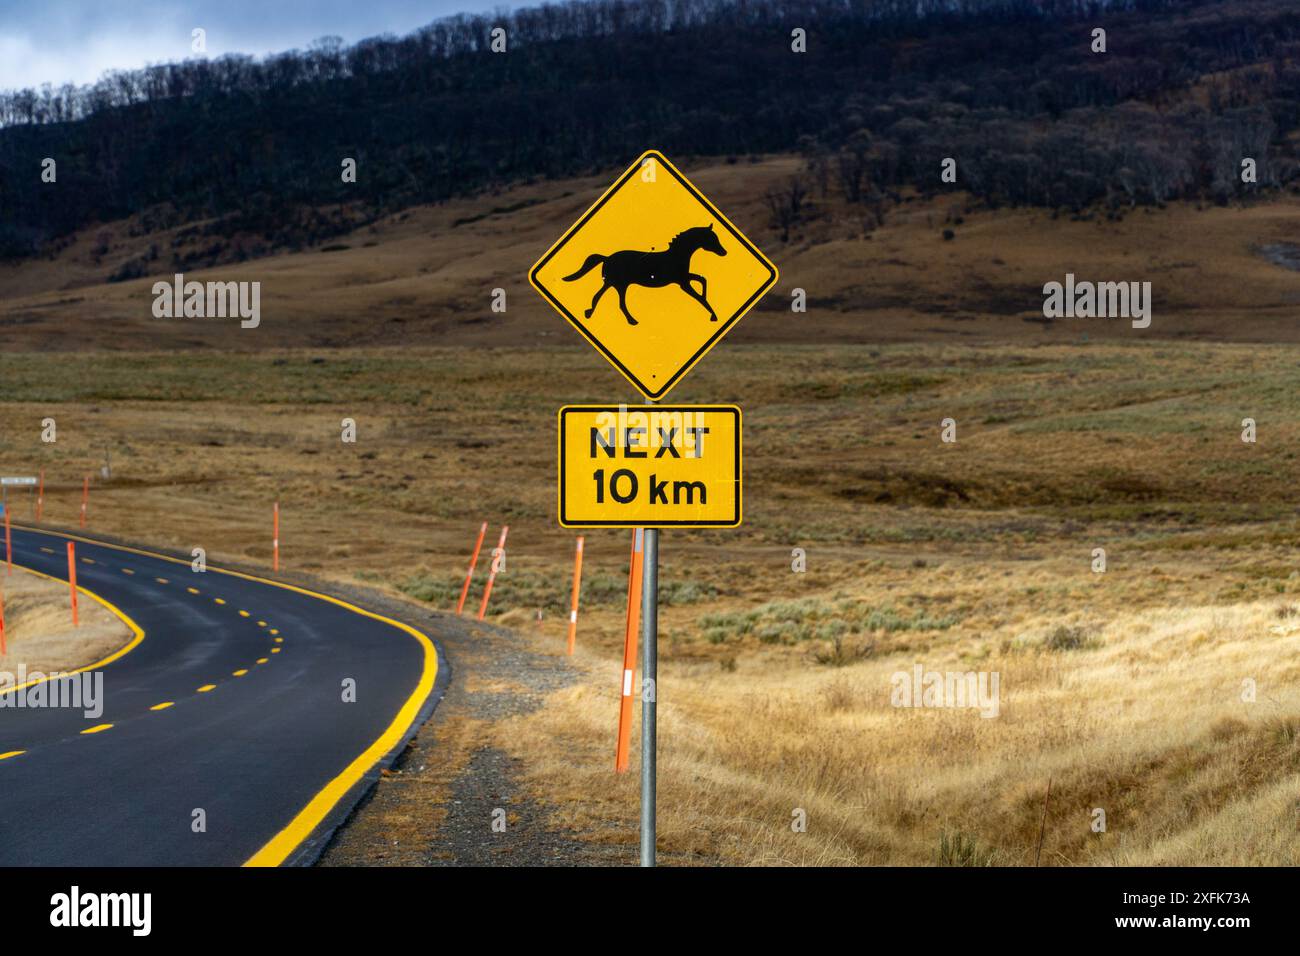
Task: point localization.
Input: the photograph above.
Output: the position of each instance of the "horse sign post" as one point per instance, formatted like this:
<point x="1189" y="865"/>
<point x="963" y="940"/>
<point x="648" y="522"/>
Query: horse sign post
<point x="653" y="276"/>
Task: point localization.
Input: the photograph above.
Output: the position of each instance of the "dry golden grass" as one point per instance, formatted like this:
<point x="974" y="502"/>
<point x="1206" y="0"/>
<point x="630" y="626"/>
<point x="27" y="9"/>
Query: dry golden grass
<point x="1149" y="725"/>
<point x="968" y="556"/>
<point x="38" y="626"/>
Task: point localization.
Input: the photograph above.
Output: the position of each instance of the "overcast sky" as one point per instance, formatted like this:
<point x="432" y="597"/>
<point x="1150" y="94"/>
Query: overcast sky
<point x="61" y="41"/>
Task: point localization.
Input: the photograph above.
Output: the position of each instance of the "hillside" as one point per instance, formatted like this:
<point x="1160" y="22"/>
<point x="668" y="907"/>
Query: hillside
<point x="875" y="93"/>
<point x="425" y="276"/>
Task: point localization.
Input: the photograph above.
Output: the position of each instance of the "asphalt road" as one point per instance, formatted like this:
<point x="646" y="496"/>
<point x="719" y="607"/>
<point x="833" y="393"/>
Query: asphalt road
<point x="231" y="703"/>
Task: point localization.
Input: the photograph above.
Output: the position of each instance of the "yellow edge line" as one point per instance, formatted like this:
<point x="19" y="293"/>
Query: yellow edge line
<point x="136" y="630"/>
<point x="278" y="848"/>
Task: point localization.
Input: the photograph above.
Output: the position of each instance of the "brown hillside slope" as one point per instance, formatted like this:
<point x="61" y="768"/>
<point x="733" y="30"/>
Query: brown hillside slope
<point x="426" y="277"/>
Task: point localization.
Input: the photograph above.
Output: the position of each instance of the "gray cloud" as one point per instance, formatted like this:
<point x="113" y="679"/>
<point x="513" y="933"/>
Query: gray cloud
<point x="62" y="41"/>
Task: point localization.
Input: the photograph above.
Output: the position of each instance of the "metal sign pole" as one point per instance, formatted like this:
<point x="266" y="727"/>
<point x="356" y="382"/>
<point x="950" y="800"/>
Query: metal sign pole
<point x="649" y="690"/>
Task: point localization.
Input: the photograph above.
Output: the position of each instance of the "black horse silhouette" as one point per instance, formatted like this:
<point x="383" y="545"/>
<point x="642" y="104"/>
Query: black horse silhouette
<point x="654" y="269"/>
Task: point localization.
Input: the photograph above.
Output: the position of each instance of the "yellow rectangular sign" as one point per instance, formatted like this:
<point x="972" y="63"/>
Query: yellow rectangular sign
<point x="656" y="466"/>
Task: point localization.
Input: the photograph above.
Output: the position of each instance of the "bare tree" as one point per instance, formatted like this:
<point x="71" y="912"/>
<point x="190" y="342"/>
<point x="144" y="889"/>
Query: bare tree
<point x="786" y="203"/>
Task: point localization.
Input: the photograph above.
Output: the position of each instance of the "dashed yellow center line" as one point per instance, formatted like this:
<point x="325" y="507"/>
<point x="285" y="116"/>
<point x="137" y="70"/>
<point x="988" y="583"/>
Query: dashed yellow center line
<point x="261" y="624"/>
<point x="163" y="706"/>
<point x="162" y="580"/>
<point x="278" y="640"/>
<point x="47" y="551"/>
<point x="87" y="560"/>
<point x="244" y="614"/>
<point x="127" y="571"/>
<point x="275" y="650"/>
<point x="13" y="753"/>
<point x="96" y="729"/>
<point x="240" y="673"/>
<point x="193" y="590"/>
<point x="274" y="631"/>
<point x="220" y="600"/>
<point x="206" y="687"/>
<point x="263" y="660"/>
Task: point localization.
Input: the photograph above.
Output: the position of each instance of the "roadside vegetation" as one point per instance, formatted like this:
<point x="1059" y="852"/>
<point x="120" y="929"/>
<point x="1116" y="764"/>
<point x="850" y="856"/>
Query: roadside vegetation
<point x="39" y="636"/>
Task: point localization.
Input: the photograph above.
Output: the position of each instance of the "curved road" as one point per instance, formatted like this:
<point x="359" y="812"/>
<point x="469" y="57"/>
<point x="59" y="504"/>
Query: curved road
<point x="228" y="701"/>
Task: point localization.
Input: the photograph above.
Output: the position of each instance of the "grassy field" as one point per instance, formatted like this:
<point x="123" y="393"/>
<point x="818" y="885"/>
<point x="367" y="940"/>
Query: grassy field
<point x="39" y="635"/>
<point x="1126" y="690"/>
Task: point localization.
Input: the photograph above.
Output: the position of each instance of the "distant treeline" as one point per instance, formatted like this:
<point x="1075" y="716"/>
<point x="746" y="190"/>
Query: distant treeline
<point x="885" y="91"/>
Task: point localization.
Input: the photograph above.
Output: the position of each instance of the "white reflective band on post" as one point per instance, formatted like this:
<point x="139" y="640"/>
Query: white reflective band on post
<point x="573" y="617"/>
<point x="627" y="683"/>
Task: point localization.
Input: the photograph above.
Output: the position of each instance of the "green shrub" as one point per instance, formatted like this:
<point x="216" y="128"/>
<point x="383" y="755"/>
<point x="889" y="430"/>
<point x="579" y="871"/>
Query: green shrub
<point x="1066" y="637"/>
<point x="962" y="849"/>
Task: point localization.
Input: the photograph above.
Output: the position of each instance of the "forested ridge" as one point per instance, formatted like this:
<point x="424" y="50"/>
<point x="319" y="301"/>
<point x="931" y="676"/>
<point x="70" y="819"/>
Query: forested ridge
<point x="885" y="91"/>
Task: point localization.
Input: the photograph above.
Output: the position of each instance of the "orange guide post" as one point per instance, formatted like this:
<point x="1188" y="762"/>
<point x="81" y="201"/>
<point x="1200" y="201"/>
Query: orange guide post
<point x="72" y="580"/>
<point x="473" y="561"/>
<point x="3" y="649"/>
<point x="85" y="498"/>
<point x="629" y="650"/>
<point x="40" y="496"/>
<point x="9" y="546"/>
<point x="573" y="606"/>
<point x="497" y="556"/>
<point x="275" y="537"/>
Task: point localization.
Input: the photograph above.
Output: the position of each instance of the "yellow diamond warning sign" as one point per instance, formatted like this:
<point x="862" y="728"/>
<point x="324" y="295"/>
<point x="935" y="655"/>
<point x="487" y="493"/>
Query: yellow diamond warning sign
<point x="653" y="275"/>
<point x="655" y="467"/>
